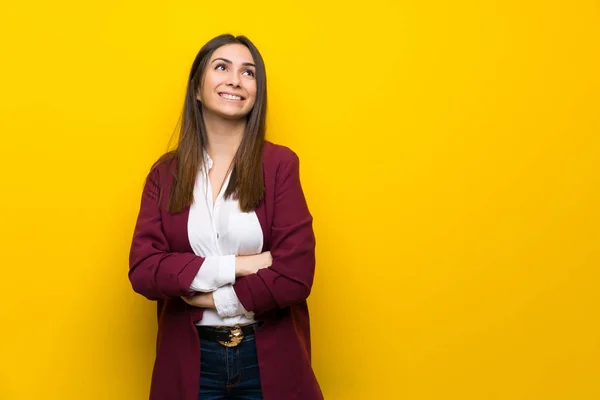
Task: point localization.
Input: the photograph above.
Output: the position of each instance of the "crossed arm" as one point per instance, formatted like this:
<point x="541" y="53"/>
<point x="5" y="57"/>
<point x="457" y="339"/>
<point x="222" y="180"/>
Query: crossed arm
<point x="244" y="265"/>
<point x="156" y="272"/>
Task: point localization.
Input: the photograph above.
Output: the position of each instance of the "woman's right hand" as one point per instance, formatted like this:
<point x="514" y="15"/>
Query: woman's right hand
<point x="246" y="265"/>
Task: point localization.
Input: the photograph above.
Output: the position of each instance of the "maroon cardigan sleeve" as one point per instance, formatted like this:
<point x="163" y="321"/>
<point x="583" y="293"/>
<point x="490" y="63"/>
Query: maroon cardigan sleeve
<point x="154" y="271"/>
<point x="289" y="279"/>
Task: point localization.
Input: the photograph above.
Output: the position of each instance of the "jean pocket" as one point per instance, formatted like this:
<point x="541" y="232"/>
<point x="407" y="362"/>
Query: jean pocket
<point x="212" y="355"/>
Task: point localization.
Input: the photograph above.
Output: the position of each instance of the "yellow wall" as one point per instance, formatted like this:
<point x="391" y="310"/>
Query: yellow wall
<point x="449" y="154"/>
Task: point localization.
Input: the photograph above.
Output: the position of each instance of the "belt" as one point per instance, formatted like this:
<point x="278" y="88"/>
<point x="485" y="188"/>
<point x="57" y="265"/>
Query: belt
<point x="228" y="336"/>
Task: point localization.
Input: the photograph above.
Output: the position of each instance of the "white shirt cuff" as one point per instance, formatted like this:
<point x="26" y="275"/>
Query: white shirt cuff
<point x="215" y="272"/>
<point x="228" y="304"/>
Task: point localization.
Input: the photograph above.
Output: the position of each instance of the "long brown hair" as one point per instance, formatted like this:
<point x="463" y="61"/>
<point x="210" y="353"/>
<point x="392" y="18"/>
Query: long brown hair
<point x="246" y="183"/>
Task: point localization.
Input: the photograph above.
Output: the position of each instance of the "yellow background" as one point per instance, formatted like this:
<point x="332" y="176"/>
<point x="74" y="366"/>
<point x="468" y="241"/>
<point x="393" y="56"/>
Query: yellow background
<point x="449" y="153"/>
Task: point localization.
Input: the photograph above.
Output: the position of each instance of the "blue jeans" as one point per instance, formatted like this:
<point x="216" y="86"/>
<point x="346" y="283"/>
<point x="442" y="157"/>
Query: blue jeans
<point x="229" y="372"/>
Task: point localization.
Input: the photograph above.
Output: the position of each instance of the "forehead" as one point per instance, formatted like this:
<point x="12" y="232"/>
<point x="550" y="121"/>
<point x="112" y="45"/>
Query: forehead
<point x="234" y="52"/>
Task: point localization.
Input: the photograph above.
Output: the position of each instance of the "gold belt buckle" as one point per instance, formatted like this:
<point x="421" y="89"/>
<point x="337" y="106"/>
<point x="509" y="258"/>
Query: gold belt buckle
<point x="235" y="336"/>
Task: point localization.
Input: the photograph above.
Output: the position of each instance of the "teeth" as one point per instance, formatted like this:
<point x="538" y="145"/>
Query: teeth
<point x="230" y="97"/>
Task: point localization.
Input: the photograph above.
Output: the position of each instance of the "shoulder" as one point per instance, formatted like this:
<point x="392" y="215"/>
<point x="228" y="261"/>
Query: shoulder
<point x="275" y="155"/>
<point x="163" y="168"/>
<point x="281" y="166"/>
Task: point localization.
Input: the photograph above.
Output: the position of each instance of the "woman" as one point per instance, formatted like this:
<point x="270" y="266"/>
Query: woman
<point x="224" y="243"/>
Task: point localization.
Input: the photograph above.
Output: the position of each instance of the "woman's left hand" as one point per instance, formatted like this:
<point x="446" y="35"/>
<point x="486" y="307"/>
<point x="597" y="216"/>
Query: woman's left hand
<point x="203" y="300"/>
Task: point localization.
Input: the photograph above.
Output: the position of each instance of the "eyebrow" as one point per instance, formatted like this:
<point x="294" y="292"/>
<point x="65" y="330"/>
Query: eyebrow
<point x="246" y="64"/>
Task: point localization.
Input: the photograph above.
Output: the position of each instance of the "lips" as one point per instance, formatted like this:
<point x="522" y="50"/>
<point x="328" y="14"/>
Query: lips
<point x="231" y="96"/>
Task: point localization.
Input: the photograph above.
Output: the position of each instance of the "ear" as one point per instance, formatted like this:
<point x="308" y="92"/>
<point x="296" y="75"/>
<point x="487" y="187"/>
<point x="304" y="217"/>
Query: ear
<point x="198" y="93"/>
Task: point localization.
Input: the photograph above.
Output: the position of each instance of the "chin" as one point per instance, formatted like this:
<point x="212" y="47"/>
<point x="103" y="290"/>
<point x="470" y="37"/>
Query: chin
<point x="227" y="113"/>
<point x="233" y="116"/>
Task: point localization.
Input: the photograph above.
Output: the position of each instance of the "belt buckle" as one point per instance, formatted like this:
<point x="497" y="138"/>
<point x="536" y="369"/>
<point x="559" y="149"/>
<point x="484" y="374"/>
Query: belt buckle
<point x="235" y="336"/>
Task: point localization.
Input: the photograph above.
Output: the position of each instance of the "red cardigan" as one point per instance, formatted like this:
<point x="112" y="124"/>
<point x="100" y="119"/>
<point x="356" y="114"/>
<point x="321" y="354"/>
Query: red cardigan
<point x="163" y="265"/>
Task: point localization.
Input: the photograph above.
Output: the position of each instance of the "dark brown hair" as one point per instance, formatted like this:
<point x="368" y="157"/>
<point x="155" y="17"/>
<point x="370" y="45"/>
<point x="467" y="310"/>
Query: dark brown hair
<point x="246" y="182"/>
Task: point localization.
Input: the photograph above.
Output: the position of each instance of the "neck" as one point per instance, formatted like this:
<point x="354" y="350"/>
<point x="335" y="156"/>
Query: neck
<point x="224" y="136"/>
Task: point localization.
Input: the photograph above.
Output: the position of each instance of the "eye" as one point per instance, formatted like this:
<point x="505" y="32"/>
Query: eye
<point x="220" y="67"/>
<point x="249" y="72"/>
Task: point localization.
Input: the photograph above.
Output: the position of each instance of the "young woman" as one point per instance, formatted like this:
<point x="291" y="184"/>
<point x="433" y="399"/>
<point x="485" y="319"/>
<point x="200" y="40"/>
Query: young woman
<point x="224" y="243"/>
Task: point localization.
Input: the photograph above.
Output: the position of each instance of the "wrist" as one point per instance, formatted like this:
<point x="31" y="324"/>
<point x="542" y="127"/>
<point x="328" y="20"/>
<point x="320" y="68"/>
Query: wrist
<point x="207" y="300"/>
<point x="239" y="266"/>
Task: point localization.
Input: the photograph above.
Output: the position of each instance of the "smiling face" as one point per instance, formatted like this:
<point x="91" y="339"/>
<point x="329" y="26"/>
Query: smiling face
<point x="228" y="88"/>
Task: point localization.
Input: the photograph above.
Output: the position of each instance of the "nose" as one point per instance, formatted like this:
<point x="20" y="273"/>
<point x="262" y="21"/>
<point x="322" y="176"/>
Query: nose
<point x="234" y="80"/>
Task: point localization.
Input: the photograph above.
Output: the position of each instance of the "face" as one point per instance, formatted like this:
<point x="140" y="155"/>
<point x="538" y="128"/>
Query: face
<point x="228" y="88"/>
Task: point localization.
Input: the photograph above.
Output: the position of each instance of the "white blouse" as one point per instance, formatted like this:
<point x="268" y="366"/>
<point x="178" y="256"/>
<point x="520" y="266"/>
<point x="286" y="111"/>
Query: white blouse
<point x="219" y="232"/>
